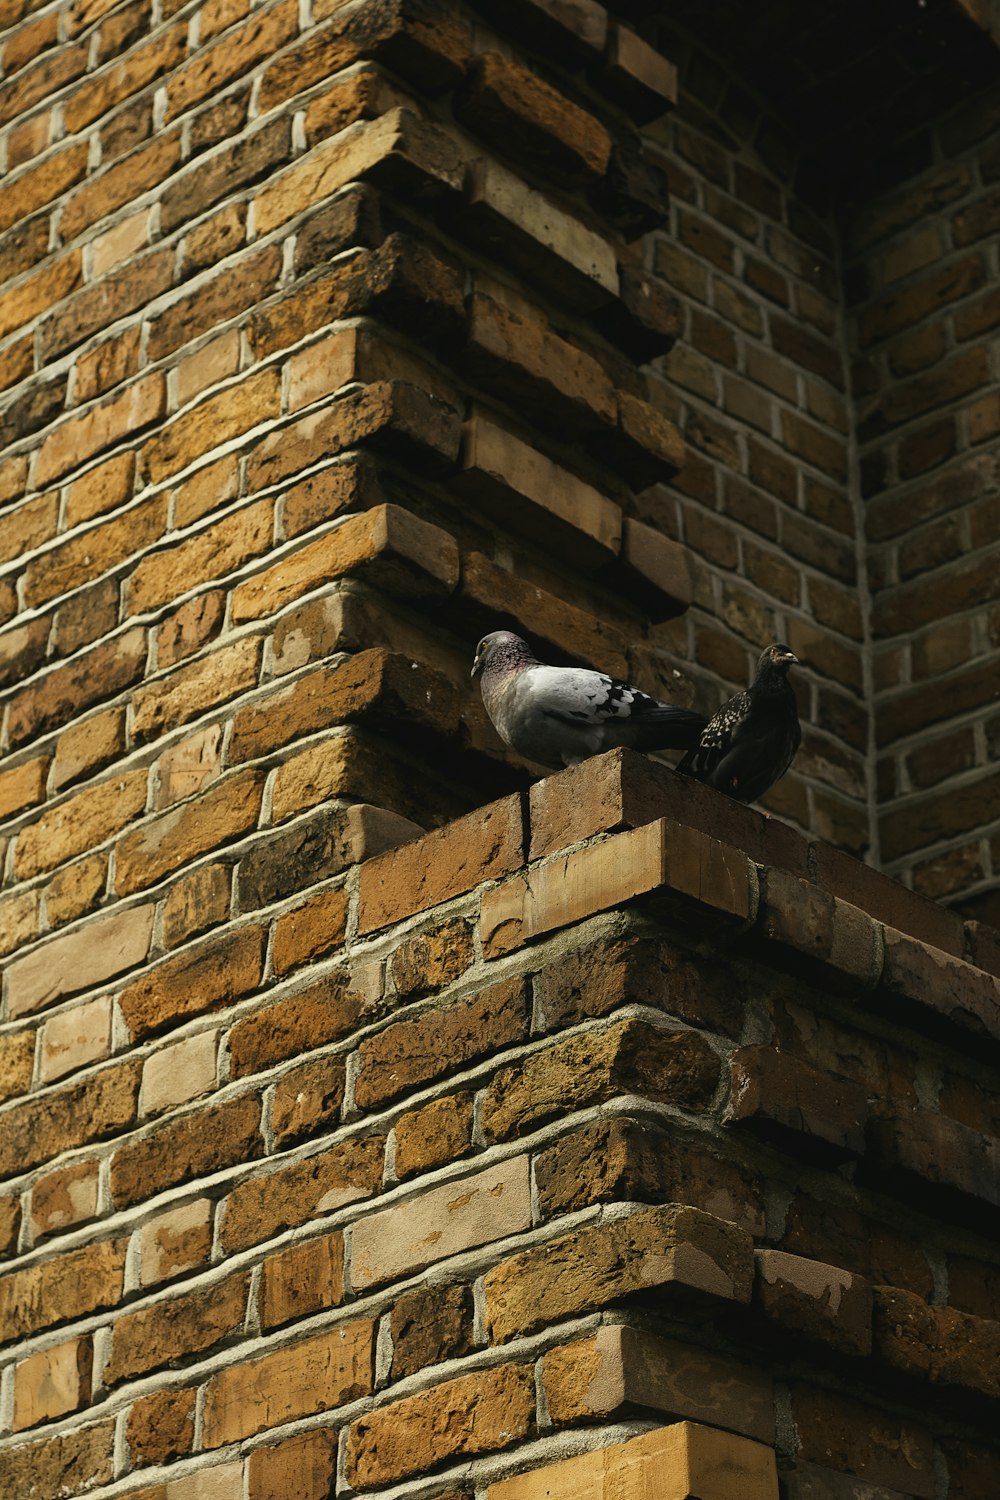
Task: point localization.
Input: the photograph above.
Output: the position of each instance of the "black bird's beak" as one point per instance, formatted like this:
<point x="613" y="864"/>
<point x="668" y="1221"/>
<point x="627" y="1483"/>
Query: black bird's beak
<point x="791" y="658"/>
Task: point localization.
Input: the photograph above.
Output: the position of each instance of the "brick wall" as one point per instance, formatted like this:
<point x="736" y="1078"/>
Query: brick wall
<point x="926" y="309"/>
<point x="368" y="1119"/>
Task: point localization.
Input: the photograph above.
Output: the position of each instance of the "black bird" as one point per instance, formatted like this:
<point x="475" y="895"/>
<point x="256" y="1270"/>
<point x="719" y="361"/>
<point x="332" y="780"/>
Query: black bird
<point x="750" y="743"/>
<point x="559" y="716"/>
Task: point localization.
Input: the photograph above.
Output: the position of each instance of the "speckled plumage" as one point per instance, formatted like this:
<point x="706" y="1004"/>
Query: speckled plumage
<point x="559" y="716"/>
<point x="750" y="743"/>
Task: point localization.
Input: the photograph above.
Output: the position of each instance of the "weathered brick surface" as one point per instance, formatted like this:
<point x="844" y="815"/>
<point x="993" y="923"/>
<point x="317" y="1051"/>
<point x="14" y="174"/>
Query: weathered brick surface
<point x="334" y="337"/>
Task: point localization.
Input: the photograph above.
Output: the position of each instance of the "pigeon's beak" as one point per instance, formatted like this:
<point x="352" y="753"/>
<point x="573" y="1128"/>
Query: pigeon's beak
<point x="790" y="657"/>
<point x="475" y="667"/>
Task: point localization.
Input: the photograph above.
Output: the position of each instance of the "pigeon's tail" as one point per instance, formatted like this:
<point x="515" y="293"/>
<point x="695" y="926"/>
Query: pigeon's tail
<point x="663" y="727"/>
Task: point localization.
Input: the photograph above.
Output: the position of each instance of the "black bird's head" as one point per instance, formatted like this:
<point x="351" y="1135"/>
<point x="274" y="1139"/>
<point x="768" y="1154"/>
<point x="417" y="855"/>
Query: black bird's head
<point x="776" y="659"/>
<point x="501" y="649"/>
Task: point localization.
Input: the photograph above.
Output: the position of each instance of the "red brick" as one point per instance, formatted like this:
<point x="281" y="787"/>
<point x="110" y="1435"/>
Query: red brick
<point x="310" y="931"/>
<point x="167" y="1332"/>
<point x="76" y="1461"/>
<point x="482" y="846"/>
<point x="845" y="1434"/>
<point x="512" y="108"/>
<point x="307" y="1101"/>
<point x="439" y="1132"/>
<point x="300" y="1468"/>
<point x="160" y="1427"/>
<point x="782" y="1098"/>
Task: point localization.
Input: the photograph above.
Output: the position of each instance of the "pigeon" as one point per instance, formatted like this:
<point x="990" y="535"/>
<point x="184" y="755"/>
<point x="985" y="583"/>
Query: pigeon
<point x="750" y="743"/>
<point x="559" y="716"/>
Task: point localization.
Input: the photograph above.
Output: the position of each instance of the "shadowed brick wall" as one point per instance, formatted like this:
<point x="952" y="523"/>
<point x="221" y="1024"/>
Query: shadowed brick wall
<point x="368" y="1119"/>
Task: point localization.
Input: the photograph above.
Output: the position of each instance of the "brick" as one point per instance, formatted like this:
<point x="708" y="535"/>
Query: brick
<point x="163" y="704"/>
<point x="63" y="1198"/>
<point x="822" y="927"/>
<point x="477" y="1413"/>
<point x="292" y="1195"/>
<point x="80" y="438"/>
<point x="513" y="351"/>
<point x="198" y="980"/>
<point x="192" y="763"/>
<point x="627" y="1057"/>
<point x="216" y="420"/>
<point x="314" y="849"/>
<point x="441" y="1222"/>
<point x="513" y="109"/>
<point x="78" y="1282"/>
<point x="325" y="1012"/>
<point x="303" y="1279"/>
<point x="10" y="1222"/>
<point x="160" y="1427"/>
<point x="196" y="902"/>
<point x="300" y="1468"/>
<point x="172" y="1242"/>
<point x="488" y="590"/>
<point x="210" y="554"/>
<point x="230" y="57"/>
<point x="42" y="1128"/>
<point x="119" y="244"/>
<point x="229" y="808"/>
<point x="31" y="299"/>
<point x="98" y="370"/>
<point x="307" y="1101"/>
<point x="602" y="1263"/>
<point x="439" y="1132"/>
<point x="166" y="1332"/>
<point x="655" y="570"/>
<point x="601" y="976"/>
<point x="612" y="873"/>
<point x="427" y="961"/>
<point x="133" y="72"/>
<point x="19" y="920"/>
<point x="29" y="526"/>
<point x="52" y="1382"/>
<point x="386" y="547"/>
<point x="314" y="1375"/>
<point x="134" y="285"/>
<point x="76" y="1460"/>
<point x="676" y="1461"/>
<point x="623" y="1366"/>
<point x="638" y="77"/>
<point x="175" y="1074"/>
<point x="533" y="235"/>
<point x="251" y="156"/>
<point x="39" y="185"/>
<point x="938" y="1344"/>
<point x="88" y="747"/>
<point x="209" y="365"/>
<point x="311" y="931"/>
<point x="839" y="1432"/>
<point x="429" y="1325"/>
<point x="802" y="1109"/>
<point x="950" y="1161"/>
<point x="536" y="496"/>
<point x="918" y="975"/>
<point x="70" y="689"/>
<point x="192" y="1146"/>
<point x="22" y="787"/>
<point x="22" y="650"/>
<point x="821" y="1303"/>
<point x="189" y="628"/>
<point x="397" y="151"/>
<point x="76" y="1037"/>
<point x="412" y="1052"/>
<point x="17" y="1057"/>
<point x="106" y="947"/>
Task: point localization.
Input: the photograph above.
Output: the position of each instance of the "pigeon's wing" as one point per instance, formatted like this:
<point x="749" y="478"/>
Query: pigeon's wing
<point x="717" y="738"/>
<point x="760" y="751"/>
<point x="562" y="714"/>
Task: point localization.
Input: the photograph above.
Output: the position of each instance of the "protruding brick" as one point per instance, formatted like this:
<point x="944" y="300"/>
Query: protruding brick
<point x="638" y="77"/>
<point x="622" y="1366"/>
<point x="628" y="1057"/>
<point x="815" y="1301"/>
<point x="314" y="1375"/>
<point x="434" y="1225"/>
<point x="670" y="1247"/>
<point x="673" y="1463"/>
<point x="785" y="1099"/>
<point x="477" y="1413"/>
<point x="483" y="846"/>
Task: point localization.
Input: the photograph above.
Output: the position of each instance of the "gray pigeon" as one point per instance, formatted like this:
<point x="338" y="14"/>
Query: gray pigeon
<point x="750" y="743"/>
<point x="560" y="715"/>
